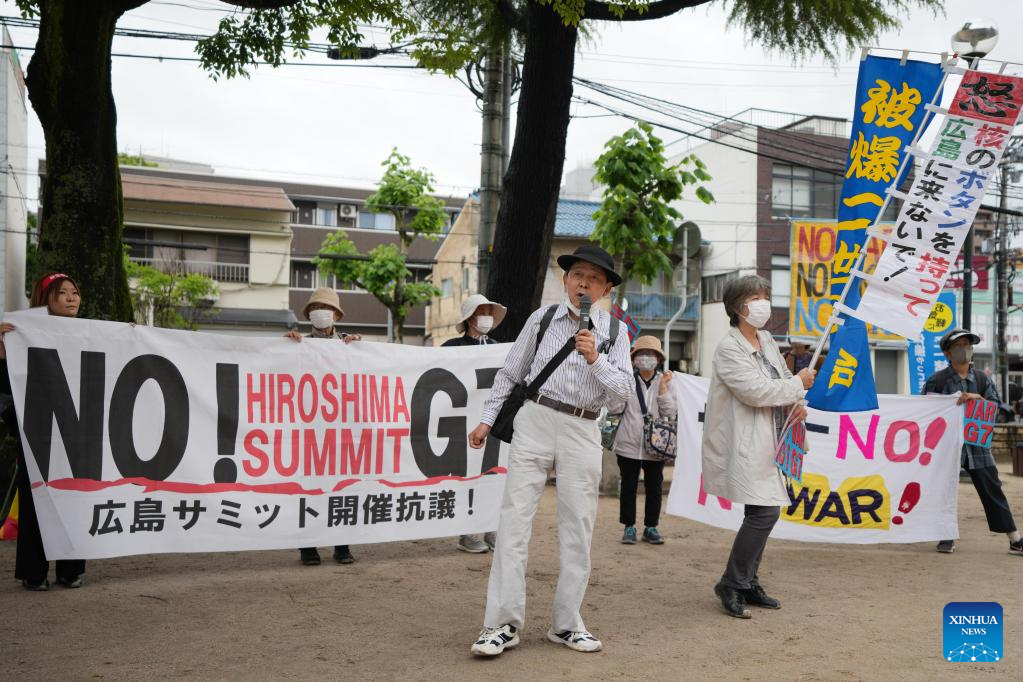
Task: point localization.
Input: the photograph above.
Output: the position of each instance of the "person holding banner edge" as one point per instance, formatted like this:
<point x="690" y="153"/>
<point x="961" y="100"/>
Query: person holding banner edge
<point x="323" y="310"/>
<point x="479" y="317"/>
<point x="960" y="377"/>
<point x="555" y="427"/>
<point x="61" y="296"/>
<point x="750" y="391"/>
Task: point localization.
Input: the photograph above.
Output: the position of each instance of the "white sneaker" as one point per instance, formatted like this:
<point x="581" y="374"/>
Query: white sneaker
<point x="580" y="641"/>
<point x="493" y="641"/>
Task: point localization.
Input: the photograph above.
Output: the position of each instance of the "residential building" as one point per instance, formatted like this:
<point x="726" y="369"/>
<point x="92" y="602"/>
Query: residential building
<point x="13" y="199"/>
<point x="312" y="212"/>
<point x="239" y="235"/>
<point x="650" y="306"/>
<point x="770" y="168"/>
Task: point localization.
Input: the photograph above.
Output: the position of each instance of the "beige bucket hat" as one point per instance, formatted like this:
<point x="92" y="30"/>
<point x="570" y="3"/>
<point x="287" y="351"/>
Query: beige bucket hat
<point x="325" y="296"/>
<point x="469" y="306"/>
<point x="648" y="342"/>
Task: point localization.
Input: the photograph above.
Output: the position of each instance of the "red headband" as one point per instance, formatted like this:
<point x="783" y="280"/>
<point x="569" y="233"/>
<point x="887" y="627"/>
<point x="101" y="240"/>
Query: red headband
<point x="49" y="279"/>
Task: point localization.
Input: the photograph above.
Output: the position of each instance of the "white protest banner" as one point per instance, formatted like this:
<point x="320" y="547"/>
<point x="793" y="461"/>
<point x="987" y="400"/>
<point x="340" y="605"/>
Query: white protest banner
<point x="142" y="440"/>
<point x="888" y="475"/>
<point x="939" y="208"/>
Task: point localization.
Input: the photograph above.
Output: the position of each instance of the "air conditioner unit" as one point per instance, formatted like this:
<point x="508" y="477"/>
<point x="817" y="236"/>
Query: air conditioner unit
<point x="347" y="210"/>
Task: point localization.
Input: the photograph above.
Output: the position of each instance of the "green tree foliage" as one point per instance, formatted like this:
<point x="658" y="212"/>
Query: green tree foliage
<point x="124" y="159"/>
<point x="636" y="222"/>
<point x="162" y="296"/>
<point x="404" y="192"/>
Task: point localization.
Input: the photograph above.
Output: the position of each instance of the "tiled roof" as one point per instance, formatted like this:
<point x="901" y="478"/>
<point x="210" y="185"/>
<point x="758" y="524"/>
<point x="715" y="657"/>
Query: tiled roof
<point x="575" y="218"/>
<point x="189" y="191"/>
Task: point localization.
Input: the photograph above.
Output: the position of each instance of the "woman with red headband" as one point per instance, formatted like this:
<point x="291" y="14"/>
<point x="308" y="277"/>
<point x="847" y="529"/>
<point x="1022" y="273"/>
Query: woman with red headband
<point x="59" y="293"/>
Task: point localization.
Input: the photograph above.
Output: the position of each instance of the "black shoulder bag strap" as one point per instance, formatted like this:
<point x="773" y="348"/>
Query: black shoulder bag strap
<point x="549" y="368"/>
<point x="545" y="322"/>
<point x="639" y="394"/>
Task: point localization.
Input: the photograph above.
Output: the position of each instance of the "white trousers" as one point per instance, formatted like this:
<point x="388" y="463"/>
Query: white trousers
<point x="545" y="438"/>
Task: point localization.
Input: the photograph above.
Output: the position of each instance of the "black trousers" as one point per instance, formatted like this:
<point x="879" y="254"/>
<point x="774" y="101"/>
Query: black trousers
<point x="653" y="479"/>
<point x="996" y="507"/>
<point x="30" y="563"/>
<point x="748" y="548"/>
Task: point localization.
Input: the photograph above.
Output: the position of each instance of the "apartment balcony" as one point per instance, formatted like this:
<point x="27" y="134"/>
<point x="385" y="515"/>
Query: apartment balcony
<point x="219" y="272"/>
<point x="660" y="306"/>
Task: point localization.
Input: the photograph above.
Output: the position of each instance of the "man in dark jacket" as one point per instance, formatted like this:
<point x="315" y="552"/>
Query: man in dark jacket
<point x="960" y="377"/>
<point x="479" y="317"/>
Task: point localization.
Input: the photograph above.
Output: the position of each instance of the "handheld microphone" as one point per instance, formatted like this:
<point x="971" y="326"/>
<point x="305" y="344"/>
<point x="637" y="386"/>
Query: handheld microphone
<point x="584" y="312"/>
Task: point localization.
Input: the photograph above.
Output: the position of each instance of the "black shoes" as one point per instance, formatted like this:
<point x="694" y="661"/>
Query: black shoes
<point x="70" y="583"/>
<point x="342" y="555"/>
<point x="756" y="596"/>
<point x="732" y="601"/>
<point x="34" y="586"/>
<point x="310" y="557"/>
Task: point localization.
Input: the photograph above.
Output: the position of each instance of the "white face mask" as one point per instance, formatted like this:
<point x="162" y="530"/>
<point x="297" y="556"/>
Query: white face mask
<point x="484" y="323"/>
<point x="759" y="312"/>
<point x="646" y="363"/>
<point x="322" y="319"/>
<point x="571" y="306"/>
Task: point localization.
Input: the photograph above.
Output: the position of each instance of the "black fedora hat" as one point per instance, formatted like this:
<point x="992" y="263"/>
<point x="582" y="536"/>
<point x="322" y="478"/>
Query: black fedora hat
<point x="595" y="255"/>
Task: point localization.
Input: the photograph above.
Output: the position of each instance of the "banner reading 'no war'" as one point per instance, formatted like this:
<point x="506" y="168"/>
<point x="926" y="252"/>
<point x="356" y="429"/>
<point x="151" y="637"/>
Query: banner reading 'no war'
<point x="143" y="440"/>
<point x="887" y="475"/>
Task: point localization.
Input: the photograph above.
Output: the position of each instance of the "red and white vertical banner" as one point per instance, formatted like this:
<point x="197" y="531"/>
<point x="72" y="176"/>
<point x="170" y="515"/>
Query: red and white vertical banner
<point x="938" y="210"/>
<point x="142" y="440"/>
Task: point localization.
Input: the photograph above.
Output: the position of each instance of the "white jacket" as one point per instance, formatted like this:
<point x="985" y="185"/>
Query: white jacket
<point x="738" y="428"/>
<point x="629" y="439"/>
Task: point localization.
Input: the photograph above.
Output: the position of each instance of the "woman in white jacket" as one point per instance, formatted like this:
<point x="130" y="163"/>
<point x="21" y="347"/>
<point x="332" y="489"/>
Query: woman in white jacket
<point x="751" y="392"/>
<point x="659" y="401"/>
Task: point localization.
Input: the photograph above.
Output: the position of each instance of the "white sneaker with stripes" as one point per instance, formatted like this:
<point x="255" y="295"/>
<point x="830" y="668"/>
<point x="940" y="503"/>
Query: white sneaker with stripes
<point x="493" y="641"/>
<point x="580" y="641"/>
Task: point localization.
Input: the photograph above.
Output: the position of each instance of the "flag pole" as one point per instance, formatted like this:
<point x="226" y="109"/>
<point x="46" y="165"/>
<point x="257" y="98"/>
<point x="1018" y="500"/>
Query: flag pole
<point x="834" y="320"/>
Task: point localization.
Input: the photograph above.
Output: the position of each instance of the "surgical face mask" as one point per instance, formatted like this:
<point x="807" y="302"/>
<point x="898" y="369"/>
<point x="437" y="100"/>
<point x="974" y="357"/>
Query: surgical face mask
<point x="961" y="355"/>
<point x="759" y="312"/>
<point x="571" y="306"/>
<point x="484" y="323"/>
<point x="322" y="319"/>
<point x="646" y="363"/>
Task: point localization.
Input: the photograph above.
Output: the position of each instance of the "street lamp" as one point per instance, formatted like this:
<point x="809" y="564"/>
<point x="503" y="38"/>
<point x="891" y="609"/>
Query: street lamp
<point x="974" y="40"/>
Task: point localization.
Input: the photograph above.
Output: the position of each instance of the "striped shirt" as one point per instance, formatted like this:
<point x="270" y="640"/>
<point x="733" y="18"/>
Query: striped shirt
<point x="574" y="382"/>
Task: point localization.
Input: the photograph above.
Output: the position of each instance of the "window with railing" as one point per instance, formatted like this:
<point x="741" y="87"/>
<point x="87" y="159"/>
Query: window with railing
<point x="223" y="257"/>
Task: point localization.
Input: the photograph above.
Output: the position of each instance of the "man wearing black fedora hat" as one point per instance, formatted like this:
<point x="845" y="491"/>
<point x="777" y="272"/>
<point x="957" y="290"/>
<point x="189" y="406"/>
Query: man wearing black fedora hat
<point x="960" y="377"/>
<point x="556" y="428"/>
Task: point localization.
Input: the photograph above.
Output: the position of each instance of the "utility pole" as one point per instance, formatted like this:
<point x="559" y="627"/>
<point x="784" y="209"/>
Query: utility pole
<point x="1013" y="155"/>
<point x="492" y="153"/>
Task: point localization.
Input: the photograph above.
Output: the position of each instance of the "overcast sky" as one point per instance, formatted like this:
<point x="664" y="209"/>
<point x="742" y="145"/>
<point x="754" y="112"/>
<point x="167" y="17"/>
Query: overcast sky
<point x="336" y="124"/>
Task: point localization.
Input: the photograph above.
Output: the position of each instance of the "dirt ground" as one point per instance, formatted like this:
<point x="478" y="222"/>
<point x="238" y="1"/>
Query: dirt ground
<point x="411" y="610"/>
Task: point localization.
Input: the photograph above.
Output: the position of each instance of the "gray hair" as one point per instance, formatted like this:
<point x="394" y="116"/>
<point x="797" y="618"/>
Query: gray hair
<point x="740" y="289"/>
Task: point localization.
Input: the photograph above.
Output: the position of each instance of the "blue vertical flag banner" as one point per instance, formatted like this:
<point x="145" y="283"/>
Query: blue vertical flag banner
<point x="889" y="111"/>
<point x="925" y="356"/>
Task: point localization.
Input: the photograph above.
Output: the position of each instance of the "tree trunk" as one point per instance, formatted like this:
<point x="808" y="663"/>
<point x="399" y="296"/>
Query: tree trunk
<point x="529" y="199"/>
<point x="81" y="218"/>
